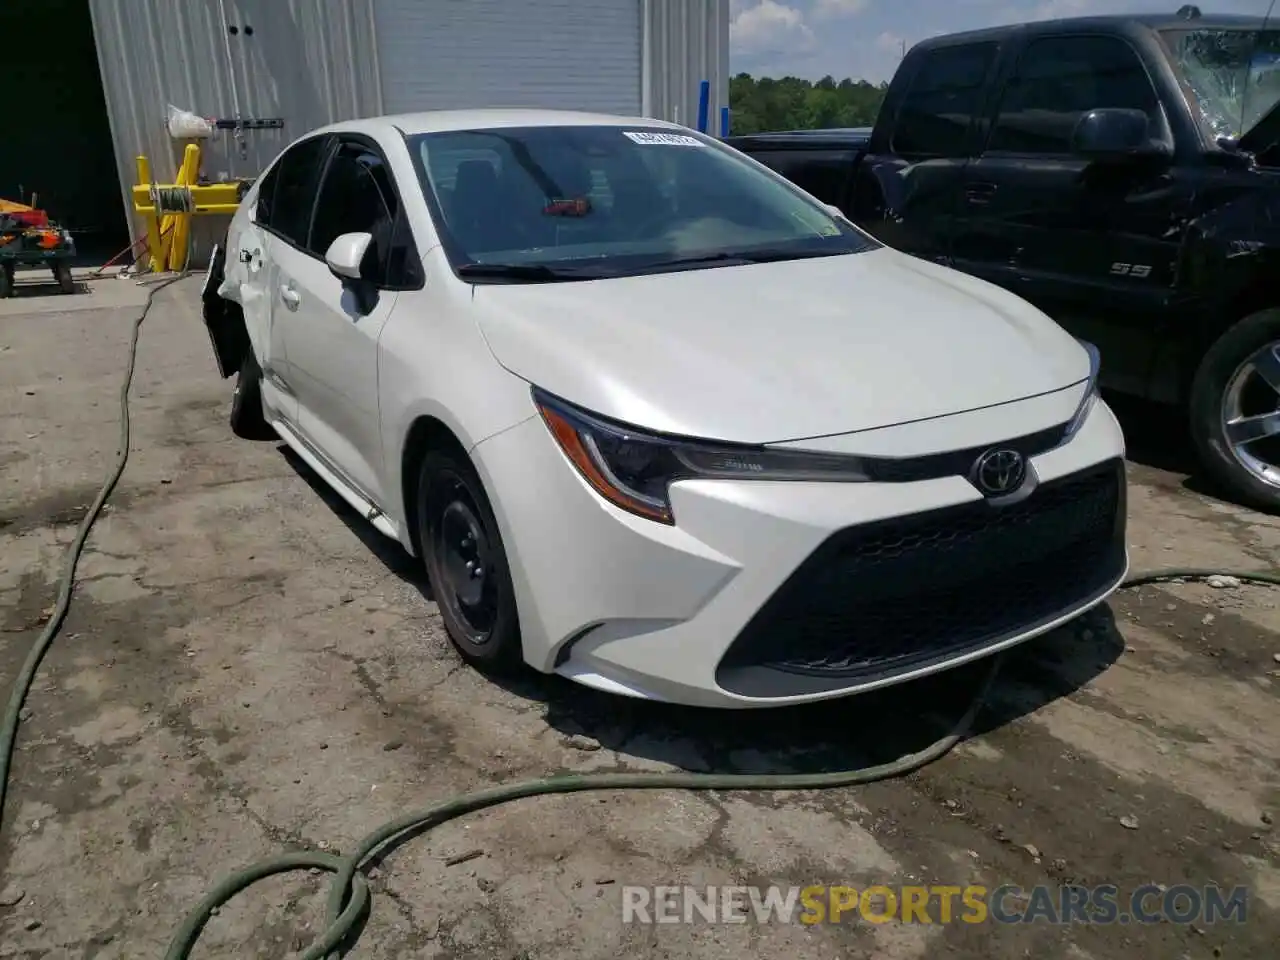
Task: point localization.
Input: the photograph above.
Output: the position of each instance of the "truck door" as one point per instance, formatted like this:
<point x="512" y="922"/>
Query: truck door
<point x="1093" y="245"/>
<point x="907" y="190"/>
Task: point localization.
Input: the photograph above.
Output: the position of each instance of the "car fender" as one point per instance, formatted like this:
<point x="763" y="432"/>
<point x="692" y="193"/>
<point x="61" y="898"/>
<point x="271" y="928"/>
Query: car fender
<point x="433" y="362"/>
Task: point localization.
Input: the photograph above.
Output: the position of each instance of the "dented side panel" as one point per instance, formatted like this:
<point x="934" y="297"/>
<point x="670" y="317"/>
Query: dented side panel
<point x="223" y="319"/>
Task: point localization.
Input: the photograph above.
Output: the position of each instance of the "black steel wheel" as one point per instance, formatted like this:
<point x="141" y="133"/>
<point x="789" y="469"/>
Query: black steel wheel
<point x="466" y="562"/>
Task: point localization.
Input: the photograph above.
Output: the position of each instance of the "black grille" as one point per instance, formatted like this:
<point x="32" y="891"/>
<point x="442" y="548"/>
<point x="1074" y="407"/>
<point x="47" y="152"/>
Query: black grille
<point x="892" y="596"/>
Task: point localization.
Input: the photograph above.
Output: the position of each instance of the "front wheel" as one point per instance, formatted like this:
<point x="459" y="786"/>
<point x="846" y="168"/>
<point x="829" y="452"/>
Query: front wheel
<point x="1235" y="410"/>
<point x="466" y="563"/>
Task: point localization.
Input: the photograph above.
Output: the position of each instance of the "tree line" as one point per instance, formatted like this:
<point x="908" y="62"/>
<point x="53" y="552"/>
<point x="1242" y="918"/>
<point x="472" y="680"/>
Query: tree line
<point x="789" y="103"/>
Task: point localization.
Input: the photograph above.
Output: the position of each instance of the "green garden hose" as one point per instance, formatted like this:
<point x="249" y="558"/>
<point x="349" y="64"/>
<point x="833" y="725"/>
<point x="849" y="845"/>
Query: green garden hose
<point x="349" y="893"/>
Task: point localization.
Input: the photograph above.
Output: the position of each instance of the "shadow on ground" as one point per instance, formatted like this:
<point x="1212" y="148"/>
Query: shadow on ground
<point x="1157" y="436"/>
<point x="31" y="287"/>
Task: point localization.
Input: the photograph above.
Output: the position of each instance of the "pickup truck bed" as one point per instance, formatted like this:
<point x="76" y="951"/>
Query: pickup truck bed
<point x="822" y="162"/>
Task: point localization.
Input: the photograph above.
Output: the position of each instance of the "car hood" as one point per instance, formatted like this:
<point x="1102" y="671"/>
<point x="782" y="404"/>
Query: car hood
<point x="771" y="352"/>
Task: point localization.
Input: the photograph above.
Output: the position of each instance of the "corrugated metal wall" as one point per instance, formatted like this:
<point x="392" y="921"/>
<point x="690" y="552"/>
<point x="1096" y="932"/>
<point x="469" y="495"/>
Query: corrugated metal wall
<point x="686" y="42"/>
<point x="310" y="62"/>
<point x="313" y="62"/>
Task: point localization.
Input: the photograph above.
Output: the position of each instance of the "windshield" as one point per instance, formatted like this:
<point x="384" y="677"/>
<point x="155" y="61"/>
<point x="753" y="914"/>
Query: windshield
<point x="1234" y="75"/>
<point x="523" y="204"/>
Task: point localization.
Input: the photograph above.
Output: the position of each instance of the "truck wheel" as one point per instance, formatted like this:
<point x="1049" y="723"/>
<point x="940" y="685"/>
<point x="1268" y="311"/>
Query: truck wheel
<point x="6" y="280"/>
<point x="1235" y="410"/>
<point x="248" y="421"/>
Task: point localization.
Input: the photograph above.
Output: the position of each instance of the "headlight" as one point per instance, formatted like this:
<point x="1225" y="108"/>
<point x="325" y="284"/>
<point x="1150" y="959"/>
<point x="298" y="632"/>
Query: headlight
<point x="633" y="470"/>
<point x="1090" y="394"/>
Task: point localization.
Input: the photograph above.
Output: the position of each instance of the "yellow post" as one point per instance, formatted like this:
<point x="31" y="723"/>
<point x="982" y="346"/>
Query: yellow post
<point x="181" y="222"/>
<point x="154" y="249"/>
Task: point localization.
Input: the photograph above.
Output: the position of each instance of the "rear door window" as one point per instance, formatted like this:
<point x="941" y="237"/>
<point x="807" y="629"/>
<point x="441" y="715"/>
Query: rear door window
<point x="943" y="98"/>
<point x="286" y="209"/>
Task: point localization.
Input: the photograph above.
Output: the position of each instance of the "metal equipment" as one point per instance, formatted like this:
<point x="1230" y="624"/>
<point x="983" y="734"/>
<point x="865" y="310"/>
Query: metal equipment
<point x="28" y="236"/>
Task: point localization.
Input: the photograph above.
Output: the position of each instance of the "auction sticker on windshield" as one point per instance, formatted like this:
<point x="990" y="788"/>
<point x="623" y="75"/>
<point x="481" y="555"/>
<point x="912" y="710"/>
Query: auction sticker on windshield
<point x="663" y="139"/>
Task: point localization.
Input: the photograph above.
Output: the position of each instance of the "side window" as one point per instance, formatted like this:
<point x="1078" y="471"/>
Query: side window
<point x="942" y="99"/>
<point x="823" y="173"/>
<point x="356" y="197"/>
<point x="266" y="190"/>
<point x="294" y="190"/>
<point x="1058" y="79"/>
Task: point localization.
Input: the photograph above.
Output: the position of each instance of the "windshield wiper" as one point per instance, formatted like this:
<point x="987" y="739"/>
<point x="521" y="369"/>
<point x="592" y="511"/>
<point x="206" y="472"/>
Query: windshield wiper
<point x="528" y="272"/>
<point x="729" y="258"/>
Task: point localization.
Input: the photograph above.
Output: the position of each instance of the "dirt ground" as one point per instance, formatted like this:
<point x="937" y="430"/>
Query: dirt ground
<point x="246" y="669"/>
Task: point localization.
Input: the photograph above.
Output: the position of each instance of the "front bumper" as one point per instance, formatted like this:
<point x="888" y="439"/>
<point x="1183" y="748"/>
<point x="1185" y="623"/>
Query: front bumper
<point x="771" y="593"/>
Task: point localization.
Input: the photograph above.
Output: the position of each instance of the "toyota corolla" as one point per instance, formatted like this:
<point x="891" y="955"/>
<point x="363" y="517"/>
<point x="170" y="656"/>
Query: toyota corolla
<point x="657" y="420"/>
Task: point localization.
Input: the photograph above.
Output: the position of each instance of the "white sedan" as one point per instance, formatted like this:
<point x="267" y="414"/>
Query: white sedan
<point x="657" y="420"/>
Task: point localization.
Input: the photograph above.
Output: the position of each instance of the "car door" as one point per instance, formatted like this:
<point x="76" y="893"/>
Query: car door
<point x="907" y="189"/>
<point x="332" y="335"/>
<point x="282" y="216"/>
<point x="1089" y="243"/>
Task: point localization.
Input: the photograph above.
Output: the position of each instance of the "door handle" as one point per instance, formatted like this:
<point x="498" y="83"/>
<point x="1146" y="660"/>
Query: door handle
<point x="290" y="296"/>
<point x="979" y="192"/>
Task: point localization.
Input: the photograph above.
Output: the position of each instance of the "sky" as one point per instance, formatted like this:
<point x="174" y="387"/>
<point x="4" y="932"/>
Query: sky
<point x="864" y="38"/>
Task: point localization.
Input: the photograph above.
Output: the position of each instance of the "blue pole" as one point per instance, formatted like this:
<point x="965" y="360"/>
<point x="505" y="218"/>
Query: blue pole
<point x="704" y="102"/>
<point x="724" y="122"/>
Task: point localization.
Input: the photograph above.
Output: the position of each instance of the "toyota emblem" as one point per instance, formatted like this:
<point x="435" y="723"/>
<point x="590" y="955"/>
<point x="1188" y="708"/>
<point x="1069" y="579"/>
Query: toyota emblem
<point x="998" y="472"/>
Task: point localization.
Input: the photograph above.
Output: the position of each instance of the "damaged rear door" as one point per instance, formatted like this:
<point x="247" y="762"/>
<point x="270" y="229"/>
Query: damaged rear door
<point x="280" y="221"/>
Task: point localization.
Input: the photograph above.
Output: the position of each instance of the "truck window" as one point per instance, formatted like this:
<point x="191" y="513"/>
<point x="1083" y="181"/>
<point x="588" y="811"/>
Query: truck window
<point x="1059" y="78"/>
<point x="941" y="101"/>
<point x="823" y="173"/>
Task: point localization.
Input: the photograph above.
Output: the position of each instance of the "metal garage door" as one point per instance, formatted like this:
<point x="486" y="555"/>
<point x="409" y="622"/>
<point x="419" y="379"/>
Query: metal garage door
<point x="561" y="54"/>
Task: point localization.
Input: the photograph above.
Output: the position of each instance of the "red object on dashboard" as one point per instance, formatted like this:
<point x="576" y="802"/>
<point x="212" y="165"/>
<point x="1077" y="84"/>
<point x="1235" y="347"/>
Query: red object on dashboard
<point x="579" y="207"/>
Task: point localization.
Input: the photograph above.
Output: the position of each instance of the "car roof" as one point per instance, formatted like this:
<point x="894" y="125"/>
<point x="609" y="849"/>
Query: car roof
<point x="437" y="121"/>
<point x="1109" y="22"/>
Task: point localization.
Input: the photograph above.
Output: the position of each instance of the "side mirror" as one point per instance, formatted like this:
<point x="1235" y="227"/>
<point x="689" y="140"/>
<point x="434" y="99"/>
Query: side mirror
<point x="1116" y="134"/>
<point x="345" y="255"/>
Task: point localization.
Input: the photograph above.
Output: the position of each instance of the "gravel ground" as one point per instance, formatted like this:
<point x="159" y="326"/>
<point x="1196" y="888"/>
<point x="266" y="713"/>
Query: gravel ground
<point x="247" y="668"/>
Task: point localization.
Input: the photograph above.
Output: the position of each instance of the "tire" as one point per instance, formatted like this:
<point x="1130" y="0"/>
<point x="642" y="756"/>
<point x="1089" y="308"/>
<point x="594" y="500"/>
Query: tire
<point x="1225" y="387"/>
<point x="62" y="274"/>
<point x="481" y="620"/>
<point x="248" y="420"/>
<point x="6" y="280"/>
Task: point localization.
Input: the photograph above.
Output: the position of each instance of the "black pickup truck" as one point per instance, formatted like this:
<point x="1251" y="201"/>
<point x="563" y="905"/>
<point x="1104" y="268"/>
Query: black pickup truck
<point x="1122" y="173"/>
